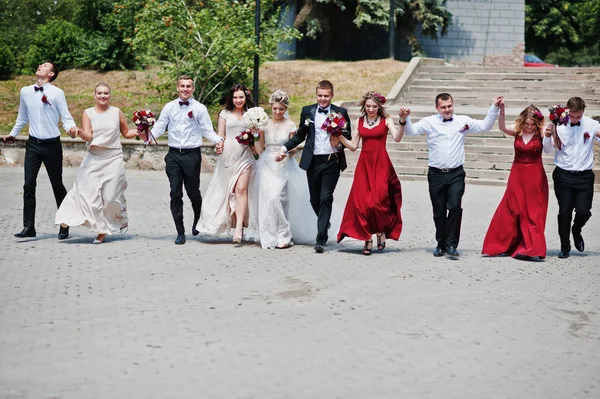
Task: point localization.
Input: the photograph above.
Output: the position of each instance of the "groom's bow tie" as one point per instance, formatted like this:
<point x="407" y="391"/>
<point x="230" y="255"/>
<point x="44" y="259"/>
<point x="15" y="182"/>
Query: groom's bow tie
<point x="184" y="103"/>
<point x="576" y="124"/>
<point x="322" y="111"/>
<point x="38" y="88"/>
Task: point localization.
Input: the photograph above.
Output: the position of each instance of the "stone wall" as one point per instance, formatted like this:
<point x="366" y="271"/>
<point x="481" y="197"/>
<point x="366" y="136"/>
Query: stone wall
<point x="483" y="31"/>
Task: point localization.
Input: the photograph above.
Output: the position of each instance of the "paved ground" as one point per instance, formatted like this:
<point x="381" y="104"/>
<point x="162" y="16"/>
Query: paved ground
<point x="138" y="317"/>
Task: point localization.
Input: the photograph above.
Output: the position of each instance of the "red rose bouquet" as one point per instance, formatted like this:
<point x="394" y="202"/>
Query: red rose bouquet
<point x="334" y="124"/>
<point x="559" y="115"/>
<point x="144" y="120"/>
<point x="248" y="137"/>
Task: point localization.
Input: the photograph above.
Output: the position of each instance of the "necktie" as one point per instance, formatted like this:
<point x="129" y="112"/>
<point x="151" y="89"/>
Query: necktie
<point x="448" y="120"/>
<point x="38" y="88"/>
<point x="184" y="102"/>
<point x="322" y="111"/>
<point x="576" y="124"/>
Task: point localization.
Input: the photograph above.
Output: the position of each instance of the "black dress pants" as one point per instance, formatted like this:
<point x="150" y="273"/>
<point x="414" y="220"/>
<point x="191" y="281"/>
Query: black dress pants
<point x="574" y="191"/>
<point x="323" y="175"/>
<point x="49" y="152"/>
<point x="183" y="169"/>
<point x="446" y="189"/>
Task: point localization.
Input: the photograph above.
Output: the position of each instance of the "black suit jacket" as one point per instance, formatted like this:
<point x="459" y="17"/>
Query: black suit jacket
<point x="306" y="131"/>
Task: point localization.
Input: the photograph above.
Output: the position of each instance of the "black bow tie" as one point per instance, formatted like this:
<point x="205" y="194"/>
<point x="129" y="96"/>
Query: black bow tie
<point x="184" y="102"/>
<point x="323" y="111"/>
<point x="576" y="124"/>
<point x="448" y="120"/>
<point x="38" y="88"/>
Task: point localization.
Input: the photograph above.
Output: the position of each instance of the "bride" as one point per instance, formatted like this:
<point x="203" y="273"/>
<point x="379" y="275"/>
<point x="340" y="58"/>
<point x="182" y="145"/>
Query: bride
<point x="284" y="212"/>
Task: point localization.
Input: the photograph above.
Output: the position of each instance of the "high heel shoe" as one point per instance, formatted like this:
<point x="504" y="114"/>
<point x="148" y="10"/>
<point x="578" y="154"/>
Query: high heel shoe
<point x="380" y="242"/>
<point x="237" y="237"/>
<point x="99" y="239"/>
<point x="368" y="247"/>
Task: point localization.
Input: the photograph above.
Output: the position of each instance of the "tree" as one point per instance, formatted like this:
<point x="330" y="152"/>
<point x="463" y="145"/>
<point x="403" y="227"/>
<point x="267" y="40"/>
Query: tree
<point x="213" y="42"/>
<point x="564" y="33"/>
<point x="319" y="17"/>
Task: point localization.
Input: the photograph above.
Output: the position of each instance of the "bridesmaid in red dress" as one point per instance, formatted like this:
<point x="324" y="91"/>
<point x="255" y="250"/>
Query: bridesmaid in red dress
<point x="517" y="228"/>
<point x="375" y="198"/>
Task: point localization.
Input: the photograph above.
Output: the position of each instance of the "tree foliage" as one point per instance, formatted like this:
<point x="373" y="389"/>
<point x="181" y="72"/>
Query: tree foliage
<point x="213" y="42"/>
<point x="429" y="16"/>
<point x="565" y="33"/>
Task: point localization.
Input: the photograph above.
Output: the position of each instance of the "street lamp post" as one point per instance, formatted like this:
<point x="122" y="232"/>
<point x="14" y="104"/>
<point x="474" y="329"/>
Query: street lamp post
<point x="256" y="58"/>
<point x="392" y="33"/>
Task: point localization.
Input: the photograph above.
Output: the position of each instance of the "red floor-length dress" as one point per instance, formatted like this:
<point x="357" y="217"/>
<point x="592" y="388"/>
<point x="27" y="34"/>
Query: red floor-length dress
<point x="375" y="199"/>
<point x="518" y="225"/>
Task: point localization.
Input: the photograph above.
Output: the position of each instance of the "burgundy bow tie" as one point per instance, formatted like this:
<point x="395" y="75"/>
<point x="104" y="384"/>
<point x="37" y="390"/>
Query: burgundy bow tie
<point x="38" y="88"/>
<point x="576" y="124"/>
<point x="184" y="102"/>
<point x="448" y="120"/>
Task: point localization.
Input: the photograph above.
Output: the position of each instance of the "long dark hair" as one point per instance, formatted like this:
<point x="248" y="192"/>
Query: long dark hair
<point x="229" y="98"/>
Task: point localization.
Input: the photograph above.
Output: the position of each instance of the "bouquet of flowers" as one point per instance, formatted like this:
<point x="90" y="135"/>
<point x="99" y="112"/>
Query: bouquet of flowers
<point x="144" y="120"/>
<point x="559" y="115"/>
<point x="246" y="137"/>
<point x="256" y="118"/>
<point x="334" y="124"/>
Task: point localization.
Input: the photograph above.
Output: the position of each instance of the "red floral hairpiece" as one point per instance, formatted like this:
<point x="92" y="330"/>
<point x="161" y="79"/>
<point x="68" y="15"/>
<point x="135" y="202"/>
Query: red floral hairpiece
<point x="379" y="97"/>
<point x="538" y="115"/>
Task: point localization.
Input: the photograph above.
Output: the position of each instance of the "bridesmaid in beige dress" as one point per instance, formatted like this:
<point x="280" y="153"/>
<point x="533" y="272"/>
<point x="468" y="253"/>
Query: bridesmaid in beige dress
<point x="97" y="199"/>
<point x="225" y="205"/>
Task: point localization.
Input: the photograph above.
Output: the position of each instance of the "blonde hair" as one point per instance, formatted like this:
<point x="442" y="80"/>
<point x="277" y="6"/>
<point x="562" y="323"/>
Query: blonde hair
<point x="531" y="112"/>
<point x="379" y="100"/>
<point x="280" y="96"/>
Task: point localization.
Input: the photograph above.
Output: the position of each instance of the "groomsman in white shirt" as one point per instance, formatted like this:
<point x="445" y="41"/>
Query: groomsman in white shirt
<point x="573" y="176"/>
<point x="42" y="105"/>
<point x="187" y="121"/>
<point x="446" y="176"/>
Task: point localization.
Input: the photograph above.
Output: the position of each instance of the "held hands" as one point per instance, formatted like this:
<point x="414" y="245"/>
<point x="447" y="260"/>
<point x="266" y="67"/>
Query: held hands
<point x="281" y="156"/>
<point x="8" y="139"/>
<point x="219" y="147"/>
<point x="498" y="100"/>
<point x="403" y="113"/>
<point x="73" y="132"/>
<point x="549" y="131"/>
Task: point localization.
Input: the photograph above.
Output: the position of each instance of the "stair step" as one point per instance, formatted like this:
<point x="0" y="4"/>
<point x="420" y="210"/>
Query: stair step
<point x="520" y="70"/>
<point x="496" y="76"/>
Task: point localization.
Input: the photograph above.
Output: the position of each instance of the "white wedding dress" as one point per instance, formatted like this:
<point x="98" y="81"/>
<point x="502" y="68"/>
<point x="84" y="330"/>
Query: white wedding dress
<point x="284" y="211"/>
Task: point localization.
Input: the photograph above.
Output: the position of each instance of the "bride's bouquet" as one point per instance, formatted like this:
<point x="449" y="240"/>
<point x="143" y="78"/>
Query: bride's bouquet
<point x="559" y="115"/>
<point x="144" y="120"/>
<point x="256" y="118"/>
<point x="334" y="124"/>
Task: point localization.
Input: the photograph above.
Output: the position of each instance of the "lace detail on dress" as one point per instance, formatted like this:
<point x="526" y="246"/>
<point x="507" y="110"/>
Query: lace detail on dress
<point x="530" y="152"/>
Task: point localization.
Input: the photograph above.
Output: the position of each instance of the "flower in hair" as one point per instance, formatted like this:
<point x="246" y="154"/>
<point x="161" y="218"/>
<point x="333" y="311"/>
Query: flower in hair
<point x="379" y="97"/>
<point x="538" y="115"/>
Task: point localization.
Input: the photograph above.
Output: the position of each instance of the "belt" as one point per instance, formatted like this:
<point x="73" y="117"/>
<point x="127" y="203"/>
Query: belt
<point x="445" y="170"/>
<point x="184" y="150"/>
<point x="325" y="156"/>
<point x="575" y="172"/>
<point x="44" y="141"/>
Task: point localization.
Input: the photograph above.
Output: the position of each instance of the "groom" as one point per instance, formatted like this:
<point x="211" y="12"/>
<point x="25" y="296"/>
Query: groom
<point x="323" y="156"/>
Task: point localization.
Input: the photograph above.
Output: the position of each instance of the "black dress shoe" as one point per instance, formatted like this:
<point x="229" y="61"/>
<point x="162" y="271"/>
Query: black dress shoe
<point x="578" y="239"/>
<point x="439" y="252"/>
<point x="63" y="233"/>
<point x="319" y="248"/>
<point x="564" y="254"/>
<point x="26" y="232"/>
<point x="452" y="253"/>
<point x="180" y="240"/>
<point x="195" y="232"/>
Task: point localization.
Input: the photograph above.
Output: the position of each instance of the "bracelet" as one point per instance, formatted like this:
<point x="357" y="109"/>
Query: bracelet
<point x="402" y="123"/>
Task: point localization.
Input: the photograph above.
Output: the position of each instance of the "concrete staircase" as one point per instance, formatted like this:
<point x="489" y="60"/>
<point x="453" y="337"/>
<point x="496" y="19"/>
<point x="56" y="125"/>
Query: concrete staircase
<point x="488" y="156"/>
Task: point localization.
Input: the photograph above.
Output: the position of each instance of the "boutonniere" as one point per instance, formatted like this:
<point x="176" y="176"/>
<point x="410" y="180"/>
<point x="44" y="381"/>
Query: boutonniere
<point x="464" y="128"/>
<point x="45" y="100"/>
<point x="191" y="114"/>
<point x="307" y="122"/>
<point x="586" y="137"/>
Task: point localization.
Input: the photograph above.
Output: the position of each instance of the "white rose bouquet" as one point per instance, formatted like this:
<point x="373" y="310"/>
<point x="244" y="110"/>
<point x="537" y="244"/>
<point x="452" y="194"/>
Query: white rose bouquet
<point x="256" y="118"/>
